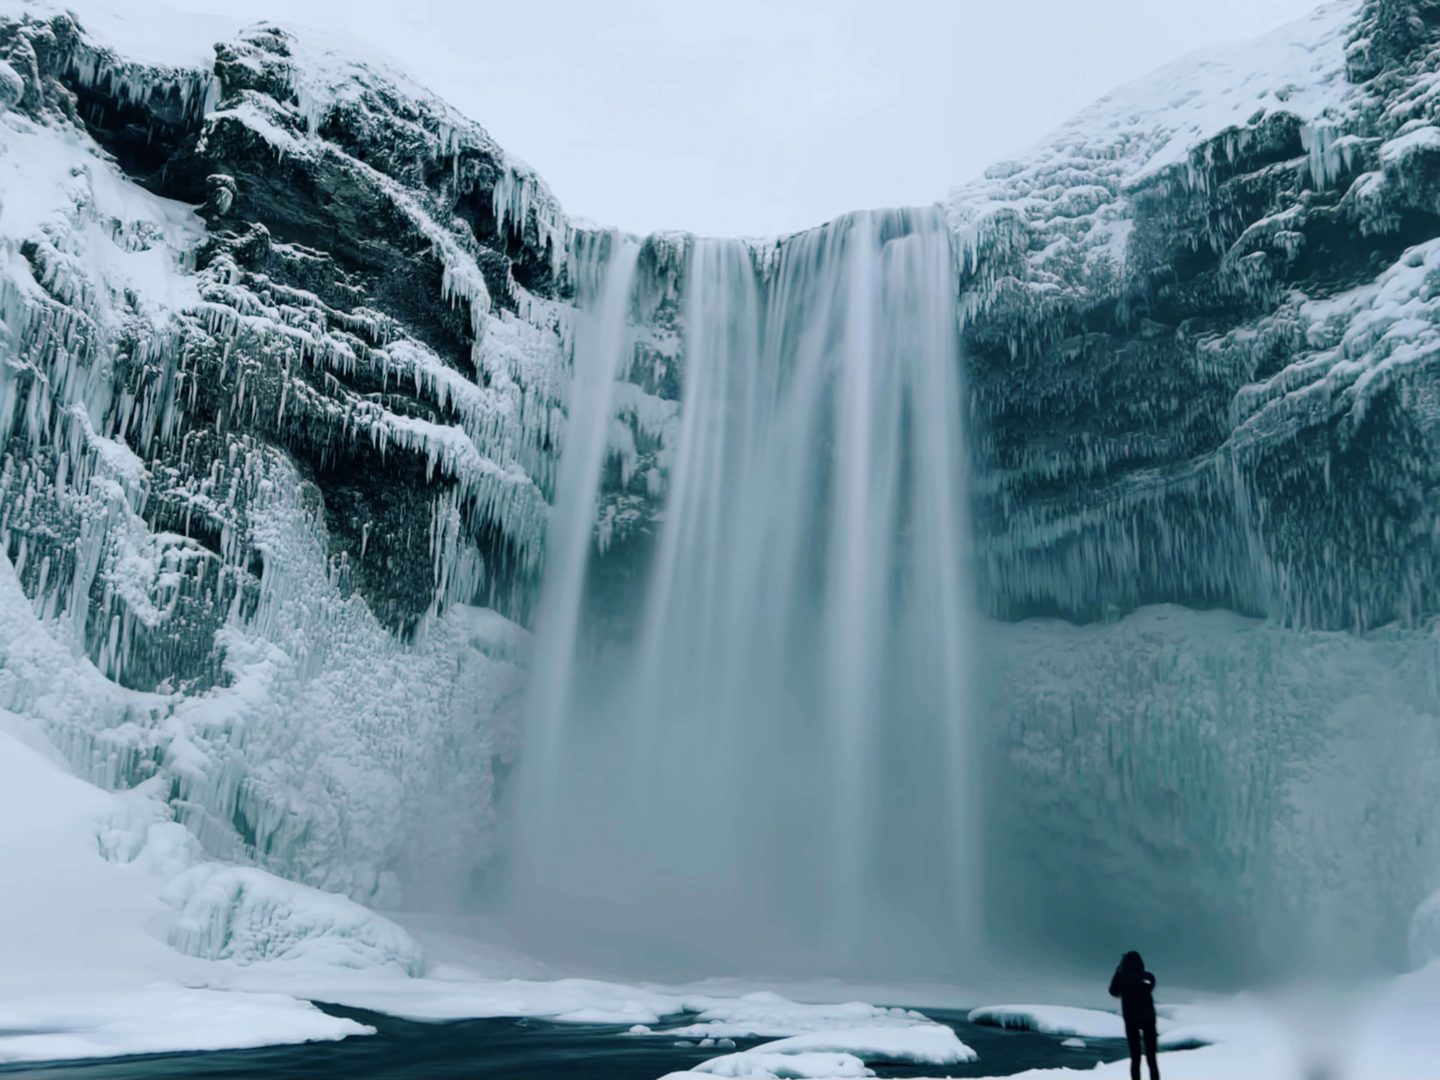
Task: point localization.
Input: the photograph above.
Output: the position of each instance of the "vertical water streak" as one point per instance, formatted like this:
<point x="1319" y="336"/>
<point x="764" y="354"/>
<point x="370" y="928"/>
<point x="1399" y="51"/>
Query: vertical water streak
<point x="925" y="281"/>
<point x="605" y="265"/>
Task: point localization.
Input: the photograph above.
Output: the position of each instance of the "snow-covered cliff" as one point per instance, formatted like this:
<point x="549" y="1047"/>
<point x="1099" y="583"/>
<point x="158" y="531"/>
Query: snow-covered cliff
<point x="1202" y="337"/>
<point x="284" y="385"/>
<point x="282" y="341"/>
<point x="1202" y="332"/>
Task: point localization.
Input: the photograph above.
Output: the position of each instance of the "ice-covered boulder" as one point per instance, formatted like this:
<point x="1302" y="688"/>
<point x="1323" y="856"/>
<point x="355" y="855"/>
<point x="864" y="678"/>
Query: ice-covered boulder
<point x="247" y="916"/>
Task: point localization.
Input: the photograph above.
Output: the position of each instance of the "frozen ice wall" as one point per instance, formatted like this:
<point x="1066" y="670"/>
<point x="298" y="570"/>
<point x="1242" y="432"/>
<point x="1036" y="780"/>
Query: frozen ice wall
<point x="277" y="386"/>
<point x="1201" y="340"/>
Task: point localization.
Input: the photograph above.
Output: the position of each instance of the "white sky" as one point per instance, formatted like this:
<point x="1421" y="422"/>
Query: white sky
<point x="763" y="116"/>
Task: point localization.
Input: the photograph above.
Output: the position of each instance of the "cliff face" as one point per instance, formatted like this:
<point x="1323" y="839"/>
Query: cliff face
<point x="1202" y="337"/>
<point x="1201" y="328"/>
<point x="283" y="360"/>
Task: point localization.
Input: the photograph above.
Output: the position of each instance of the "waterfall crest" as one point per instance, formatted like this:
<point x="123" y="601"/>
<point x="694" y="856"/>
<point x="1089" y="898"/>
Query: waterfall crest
<point x="776" y="766"/>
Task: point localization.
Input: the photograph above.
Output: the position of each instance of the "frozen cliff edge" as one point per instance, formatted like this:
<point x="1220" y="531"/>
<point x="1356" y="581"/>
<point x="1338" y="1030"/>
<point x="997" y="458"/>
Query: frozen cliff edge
<point x="1202" y="331"/>
<point x="279" y="396"/>
<point x="1201" y="322"/>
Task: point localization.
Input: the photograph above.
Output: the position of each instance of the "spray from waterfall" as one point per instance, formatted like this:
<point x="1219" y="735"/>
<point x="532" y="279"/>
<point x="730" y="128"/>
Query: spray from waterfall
<point x="775" y="768"/>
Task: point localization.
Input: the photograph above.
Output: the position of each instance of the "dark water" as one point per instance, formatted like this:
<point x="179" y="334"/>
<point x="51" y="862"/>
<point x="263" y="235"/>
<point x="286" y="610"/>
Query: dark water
<point x="532" y="1050"/>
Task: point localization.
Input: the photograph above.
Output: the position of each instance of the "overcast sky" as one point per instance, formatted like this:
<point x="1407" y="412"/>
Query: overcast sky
<point x="763" y="116"/>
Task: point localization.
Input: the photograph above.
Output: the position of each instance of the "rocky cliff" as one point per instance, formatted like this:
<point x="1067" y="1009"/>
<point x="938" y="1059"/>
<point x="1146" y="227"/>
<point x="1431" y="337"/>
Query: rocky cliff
<point x="283" y="345"/>
<point x="1201" y="331"/>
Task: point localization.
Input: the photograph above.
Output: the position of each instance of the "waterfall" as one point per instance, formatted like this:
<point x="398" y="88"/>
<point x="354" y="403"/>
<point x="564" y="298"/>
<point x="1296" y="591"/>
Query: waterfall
<point x="604" y="267"/>
<point x="774" y="768"/>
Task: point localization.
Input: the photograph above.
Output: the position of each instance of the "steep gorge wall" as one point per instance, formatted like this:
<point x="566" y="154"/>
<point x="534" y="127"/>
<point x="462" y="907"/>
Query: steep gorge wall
<point x="286" y="347"/>
<point x="1204" y="354"/>
<point x="283" y="380"/>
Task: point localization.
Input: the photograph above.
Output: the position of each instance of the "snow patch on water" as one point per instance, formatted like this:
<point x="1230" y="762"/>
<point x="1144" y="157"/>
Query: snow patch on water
<point x="1052" y="1020"/>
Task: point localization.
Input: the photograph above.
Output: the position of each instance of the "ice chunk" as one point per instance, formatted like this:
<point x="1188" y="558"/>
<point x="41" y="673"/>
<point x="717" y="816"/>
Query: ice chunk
<point x="768" y="1015"/>
<point x="763" y="1066"/>
<point x="245" y="915"/>
<point x="922" y="1044"/>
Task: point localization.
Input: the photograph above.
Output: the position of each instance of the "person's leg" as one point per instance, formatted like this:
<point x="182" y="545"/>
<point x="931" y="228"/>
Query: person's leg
<point x="1151" y="1038"/>
<point x="1132" y="1036"/>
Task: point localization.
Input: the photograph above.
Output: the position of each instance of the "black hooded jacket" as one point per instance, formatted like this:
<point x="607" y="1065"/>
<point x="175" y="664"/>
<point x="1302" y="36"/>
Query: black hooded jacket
<point x="1135" y="987"/>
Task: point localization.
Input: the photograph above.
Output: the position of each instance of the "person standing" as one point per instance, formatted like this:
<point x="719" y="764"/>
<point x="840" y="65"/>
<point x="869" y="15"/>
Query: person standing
<point x="1135" y="987"/>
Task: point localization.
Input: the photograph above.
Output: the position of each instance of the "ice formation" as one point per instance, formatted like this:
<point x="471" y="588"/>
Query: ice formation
<point x="262" y="478"/>
<point x="840" y="1051"/>
<point x="247" y="916"/>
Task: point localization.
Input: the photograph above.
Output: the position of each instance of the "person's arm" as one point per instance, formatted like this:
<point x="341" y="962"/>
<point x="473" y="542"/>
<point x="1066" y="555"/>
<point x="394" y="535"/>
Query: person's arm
<point x="1115" y="983"/>
<point x="1148" y="980"/>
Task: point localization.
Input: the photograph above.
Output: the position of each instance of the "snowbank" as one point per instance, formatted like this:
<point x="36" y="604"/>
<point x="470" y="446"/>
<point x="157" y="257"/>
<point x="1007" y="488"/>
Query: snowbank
<point x="840" y="1053"/>
<point x="1052" y="1020"/>
<point x="247" y="916"/>
<point x="84" y="976"/>
<point x="766" y="1015"/>
<point x="158" y="1019"/>
<point x="922" y="1044"/>
<point x="762" y="1066"/>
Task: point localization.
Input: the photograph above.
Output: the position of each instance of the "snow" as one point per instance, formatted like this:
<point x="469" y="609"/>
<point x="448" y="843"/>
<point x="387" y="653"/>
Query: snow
<point x="922" y="1044"/>
<point x="134" y="31"/>
<point x="152" y="1020"/>
<point x="1052" y="1020"/>
<point x="841" y="1052"/>
<point x="245" y="915"/>
<point x="57" y="190"/>
<point x="763" y="1066"/>
<point x="765" y="1014"/>
<point x="83" y="977"/>
<point x="1136" y="132"/>
<point x="1343" y="1029"/>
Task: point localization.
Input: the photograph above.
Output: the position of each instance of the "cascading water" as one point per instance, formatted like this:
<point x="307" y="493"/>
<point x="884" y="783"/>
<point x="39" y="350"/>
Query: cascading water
<point x="775" y="768"/>
<point x="604" y="266"/>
